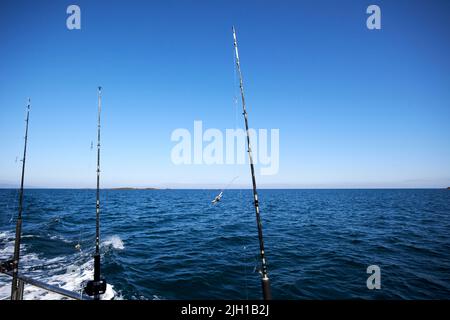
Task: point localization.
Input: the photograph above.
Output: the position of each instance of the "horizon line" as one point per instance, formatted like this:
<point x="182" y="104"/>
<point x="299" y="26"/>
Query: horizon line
<point x="212" y="188"/>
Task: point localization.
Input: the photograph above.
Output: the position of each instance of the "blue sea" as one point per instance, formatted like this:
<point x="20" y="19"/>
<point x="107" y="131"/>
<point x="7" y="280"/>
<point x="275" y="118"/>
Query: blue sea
<point x="173" y="244"/>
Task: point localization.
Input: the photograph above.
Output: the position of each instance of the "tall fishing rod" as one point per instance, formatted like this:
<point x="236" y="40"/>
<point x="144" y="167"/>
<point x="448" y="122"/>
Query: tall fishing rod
<point x="16" y="294"/>
<point x="97" y="286"/>
<point x="264" y="273"/>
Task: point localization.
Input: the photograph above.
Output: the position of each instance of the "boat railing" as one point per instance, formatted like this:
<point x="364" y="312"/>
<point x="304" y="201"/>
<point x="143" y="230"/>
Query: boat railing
<point x="22" y="280"/>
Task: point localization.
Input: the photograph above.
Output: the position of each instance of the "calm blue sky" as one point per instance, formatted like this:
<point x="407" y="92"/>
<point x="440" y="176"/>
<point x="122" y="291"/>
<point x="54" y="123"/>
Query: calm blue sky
<point x="355" y="108"/>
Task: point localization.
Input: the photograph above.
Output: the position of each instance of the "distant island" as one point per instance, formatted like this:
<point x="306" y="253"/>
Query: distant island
<point x="448" y="188"/>
<point x="130" y="188"/>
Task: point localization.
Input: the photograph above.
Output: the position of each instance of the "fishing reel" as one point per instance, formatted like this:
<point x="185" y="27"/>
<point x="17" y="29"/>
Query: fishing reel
<point x="7" y="266"/>
<point x="95" y="288"/>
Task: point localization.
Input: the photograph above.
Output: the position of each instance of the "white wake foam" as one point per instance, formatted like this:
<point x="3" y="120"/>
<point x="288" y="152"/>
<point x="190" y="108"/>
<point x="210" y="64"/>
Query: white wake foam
<point x="113" y="241"/>
<point x="56" y="271"/>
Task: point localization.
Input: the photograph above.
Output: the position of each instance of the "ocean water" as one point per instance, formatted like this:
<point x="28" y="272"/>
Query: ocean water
<point x="173" y="244"/>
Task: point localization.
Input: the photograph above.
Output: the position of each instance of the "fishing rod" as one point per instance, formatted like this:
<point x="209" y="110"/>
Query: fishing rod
<point x="97" y="286"/>
<point x="264" y="273"/>
<point x="16" y="293"/>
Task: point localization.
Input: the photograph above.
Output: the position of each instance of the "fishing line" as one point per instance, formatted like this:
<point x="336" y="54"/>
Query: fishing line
<point x="78" y="245"/>
<point x="90" y="158"/>
<point x="15" y="198"/>
<point x="236" y="165"/>
<point x="229" y="184"/>
<point x="219" y="196"/>
<point x="16" y="195"/>
<point x="235" y="93"/>
<point x="245" y="273"/>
